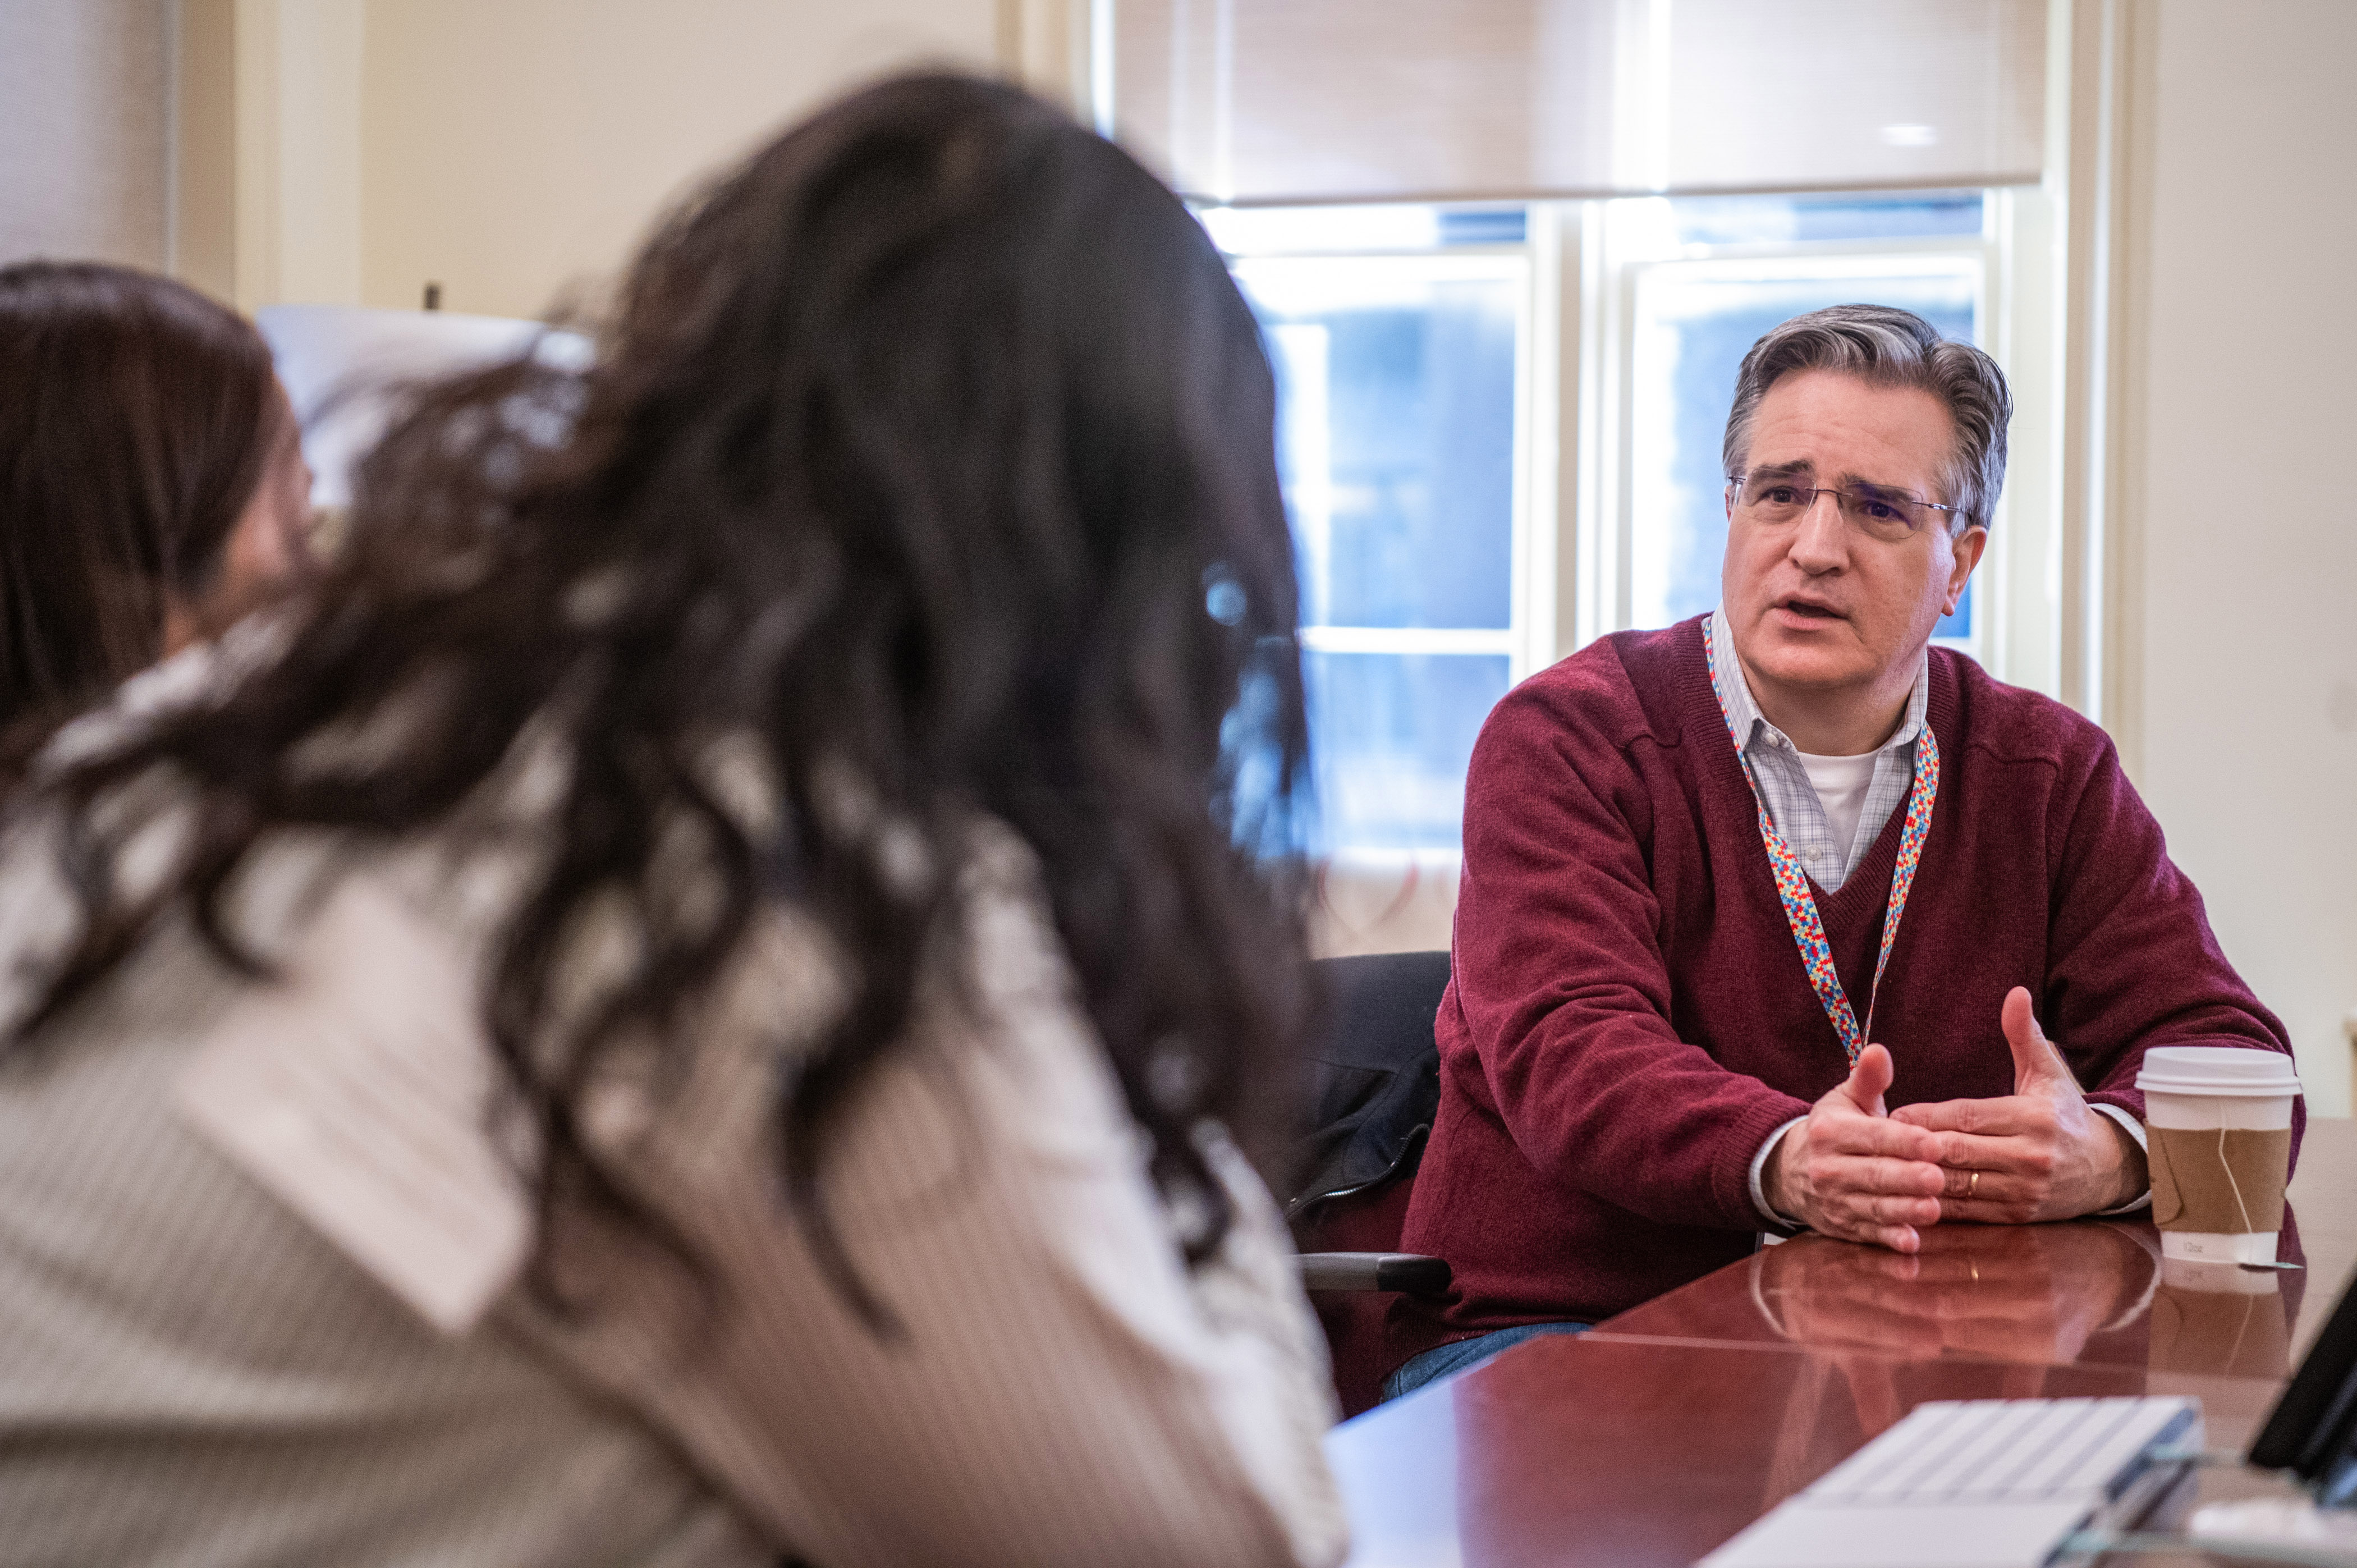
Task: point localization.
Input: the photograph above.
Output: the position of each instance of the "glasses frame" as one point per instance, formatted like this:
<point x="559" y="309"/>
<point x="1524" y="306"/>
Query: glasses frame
<point x="1844" y="501"/>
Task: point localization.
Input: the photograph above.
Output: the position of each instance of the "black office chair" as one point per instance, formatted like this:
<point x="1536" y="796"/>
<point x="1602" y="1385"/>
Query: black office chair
<point x="1377" y="1089"/>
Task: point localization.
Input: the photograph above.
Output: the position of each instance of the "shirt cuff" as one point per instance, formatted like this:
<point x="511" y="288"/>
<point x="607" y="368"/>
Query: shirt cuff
<point x="1760" y="1168"/>
<point x="2135" y="1130"/>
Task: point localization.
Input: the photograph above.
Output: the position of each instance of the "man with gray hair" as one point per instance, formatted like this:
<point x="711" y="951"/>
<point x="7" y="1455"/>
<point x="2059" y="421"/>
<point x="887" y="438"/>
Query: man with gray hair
<point x="1762" y="913"/>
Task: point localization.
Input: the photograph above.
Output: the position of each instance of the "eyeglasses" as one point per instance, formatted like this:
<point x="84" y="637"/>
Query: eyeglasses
<point x="1878" y="511"/>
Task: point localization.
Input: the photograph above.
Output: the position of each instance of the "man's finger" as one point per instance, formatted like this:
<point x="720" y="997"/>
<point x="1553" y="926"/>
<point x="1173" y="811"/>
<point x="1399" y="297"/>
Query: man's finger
<point x="2034" y="1057"/>
<point x="1889" y="1191"/>
<point x="1993" y="1187"/>
<point x="2001" y="1118"/>
<point x="1858" y="1204"/>
<point x="1889" y="1210"/>
<point x="2010" y="1155"/>
<point x="1869" y="1079"/>
<point x="1942" y="1115"/>
<point x="1864" y="1136"/>
<point x="1982" y="1210"/>
<point x="1898" y="1237"/>
<point x="1881" y="1175"/>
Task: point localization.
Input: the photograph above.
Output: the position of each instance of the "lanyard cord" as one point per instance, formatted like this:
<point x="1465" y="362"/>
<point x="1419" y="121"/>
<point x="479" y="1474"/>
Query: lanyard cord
<point x="1793" y="884"/>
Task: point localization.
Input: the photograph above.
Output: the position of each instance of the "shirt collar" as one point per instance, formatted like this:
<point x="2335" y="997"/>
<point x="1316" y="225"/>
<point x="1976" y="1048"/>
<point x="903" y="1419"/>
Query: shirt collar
<point x="1747" y="720"/>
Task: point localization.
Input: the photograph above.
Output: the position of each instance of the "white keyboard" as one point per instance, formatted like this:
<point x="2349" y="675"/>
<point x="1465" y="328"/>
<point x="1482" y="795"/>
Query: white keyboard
<point x="1978" y="1484"/>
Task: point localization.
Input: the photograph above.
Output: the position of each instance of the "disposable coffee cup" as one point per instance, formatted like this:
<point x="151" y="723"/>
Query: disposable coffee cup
<point x="2218" y="1124"/>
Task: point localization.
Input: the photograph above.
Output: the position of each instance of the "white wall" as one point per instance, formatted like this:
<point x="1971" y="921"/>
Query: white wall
<point x="350" y="151"/>
<point x="512" y="152"/>
<point x="85" y="111"/>
<point x="2246" y="544"/>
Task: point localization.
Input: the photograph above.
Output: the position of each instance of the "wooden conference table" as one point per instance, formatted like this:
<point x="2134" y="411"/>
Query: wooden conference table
<point x="1661" y="1432"/>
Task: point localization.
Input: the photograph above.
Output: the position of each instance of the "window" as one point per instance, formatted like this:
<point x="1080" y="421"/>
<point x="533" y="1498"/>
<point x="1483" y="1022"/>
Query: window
<point x="1705" y="278"/>
<point x="1468" y="396"/>
<point x="1398" y="338"/>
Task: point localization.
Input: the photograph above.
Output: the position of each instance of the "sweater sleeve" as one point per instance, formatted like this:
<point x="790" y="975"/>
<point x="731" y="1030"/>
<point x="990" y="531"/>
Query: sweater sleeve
<point x="1564" y="988"/>
<point x="2132" y="962"/>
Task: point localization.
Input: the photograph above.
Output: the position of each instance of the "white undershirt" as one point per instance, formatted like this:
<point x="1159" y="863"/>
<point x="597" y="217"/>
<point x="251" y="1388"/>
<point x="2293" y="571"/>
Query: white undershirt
<point x="1840" y="783"/>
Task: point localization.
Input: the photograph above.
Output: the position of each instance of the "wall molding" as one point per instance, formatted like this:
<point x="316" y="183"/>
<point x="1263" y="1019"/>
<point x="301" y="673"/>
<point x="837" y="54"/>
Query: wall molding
<point x="265" y="158"/>
<point x="1062" y="51"/>
<point x="2100" y="165"/>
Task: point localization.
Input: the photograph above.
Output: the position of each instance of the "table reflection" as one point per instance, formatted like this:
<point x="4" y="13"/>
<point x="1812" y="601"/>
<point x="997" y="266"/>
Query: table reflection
<point x="2218" y="1319"/>
<point x="2038" y="1295"/>
<point x="2093" y="1292"/>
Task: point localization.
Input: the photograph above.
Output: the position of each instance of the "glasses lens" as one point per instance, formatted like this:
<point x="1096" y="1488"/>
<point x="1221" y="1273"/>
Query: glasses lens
<point x="1883" y="513"/>
<point x="1772" y="499"/>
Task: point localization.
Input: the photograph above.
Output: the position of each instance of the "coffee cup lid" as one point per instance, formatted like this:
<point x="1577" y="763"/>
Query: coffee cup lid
<point x="2217" y="1069"/>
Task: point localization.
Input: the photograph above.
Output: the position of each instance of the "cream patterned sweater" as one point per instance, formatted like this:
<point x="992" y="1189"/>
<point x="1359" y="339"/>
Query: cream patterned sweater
<point x="191" y="1373"/>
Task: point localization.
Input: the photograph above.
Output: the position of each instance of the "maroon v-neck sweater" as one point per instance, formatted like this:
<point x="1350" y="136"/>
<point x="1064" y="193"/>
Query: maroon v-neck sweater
<point x="1630" y="1018"/>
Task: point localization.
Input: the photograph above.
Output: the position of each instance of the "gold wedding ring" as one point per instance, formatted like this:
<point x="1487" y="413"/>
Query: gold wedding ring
<point x="1973" y="1188"/>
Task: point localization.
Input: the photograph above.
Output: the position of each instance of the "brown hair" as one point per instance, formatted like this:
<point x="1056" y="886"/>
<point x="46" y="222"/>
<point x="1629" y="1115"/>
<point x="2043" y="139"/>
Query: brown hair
<point x="136" y="420"/>
<point x="1888" y="347"/>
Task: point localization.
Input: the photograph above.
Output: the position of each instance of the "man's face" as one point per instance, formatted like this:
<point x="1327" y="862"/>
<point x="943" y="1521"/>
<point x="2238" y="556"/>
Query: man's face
<point x="1818" y="608"/>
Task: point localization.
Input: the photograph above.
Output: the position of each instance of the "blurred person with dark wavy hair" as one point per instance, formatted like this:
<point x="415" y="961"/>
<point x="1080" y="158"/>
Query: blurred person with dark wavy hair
<point x="706" y="992"/>
<point x="152" y="482"/>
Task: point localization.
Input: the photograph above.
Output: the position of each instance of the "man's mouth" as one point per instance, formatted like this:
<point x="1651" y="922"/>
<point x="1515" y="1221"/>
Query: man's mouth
<point x="1810" y="609"/>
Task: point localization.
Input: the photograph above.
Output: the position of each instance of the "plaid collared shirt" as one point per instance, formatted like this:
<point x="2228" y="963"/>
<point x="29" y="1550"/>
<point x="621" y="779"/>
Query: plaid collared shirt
<point x="1791" y="799"/>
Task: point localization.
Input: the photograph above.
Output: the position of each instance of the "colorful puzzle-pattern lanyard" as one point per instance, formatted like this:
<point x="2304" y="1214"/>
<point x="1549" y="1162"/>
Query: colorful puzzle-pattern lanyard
<point x="1793" y="883"/>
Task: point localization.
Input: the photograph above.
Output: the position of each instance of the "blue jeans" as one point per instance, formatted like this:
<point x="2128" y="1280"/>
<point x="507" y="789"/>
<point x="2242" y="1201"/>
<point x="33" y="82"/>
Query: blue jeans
<point x="1443" y="1360"/>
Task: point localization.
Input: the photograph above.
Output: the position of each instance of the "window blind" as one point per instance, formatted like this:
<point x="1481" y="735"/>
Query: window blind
<point x="1268" y="102"/>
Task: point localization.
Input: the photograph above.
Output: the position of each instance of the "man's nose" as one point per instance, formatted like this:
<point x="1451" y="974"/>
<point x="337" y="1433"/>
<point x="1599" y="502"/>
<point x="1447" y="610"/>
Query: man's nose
<point x="1820" y="543"/>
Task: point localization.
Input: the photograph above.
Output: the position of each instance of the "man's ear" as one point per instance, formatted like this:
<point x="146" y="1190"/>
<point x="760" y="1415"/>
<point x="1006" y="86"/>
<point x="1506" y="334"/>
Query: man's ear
<point x="1967" y="548"/>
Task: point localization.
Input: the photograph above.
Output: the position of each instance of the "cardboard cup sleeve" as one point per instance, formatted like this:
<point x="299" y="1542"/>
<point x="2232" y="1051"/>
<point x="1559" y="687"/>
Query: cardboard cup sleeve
<point x="2224" y="1181"/>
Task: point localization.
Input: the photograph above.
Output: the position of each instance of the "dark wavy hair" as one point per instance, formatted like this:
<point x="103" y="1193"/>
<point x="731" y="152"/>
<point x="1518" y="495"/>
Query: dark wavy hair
<point x="931" y="448"/>
<point x="136" y="420"/>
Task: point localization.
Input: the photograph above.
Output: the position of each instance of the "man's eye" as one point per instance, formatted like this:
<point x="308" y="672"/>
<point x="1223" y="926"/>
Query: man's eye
<point x="1780" y="494"/>
<point x="1883" y="511"/>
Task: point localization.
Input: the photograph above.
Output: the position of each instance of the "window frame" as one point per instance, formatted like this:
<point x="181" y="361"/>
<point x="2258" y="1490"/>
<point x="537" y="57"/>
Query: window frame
<point x="1582" y="266"/>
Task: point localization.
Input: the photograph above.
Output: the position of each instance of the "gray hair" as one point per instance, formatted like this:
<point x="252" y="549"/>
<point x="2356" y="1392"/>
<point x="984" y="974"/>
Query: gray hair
<point x="1893" y="348"/>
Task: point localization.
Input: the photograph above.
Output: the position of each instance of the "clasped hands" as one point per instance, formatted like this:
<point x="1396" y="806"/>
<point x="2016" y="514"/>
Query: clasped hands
<point x="1858" y="1172"/>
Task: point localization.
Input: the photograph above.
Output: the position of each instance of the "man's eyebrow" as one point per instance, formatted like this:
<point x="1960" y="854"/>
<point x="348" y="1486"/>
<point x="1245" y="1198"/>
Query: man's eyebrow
<point x="1852" y="481"/>
<point x="1783" y="470"/>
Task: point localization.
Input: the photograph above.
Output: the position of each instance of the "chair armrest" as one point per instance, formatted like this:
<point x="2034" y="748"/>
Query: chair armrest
<point x="1403" y="1272"/>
